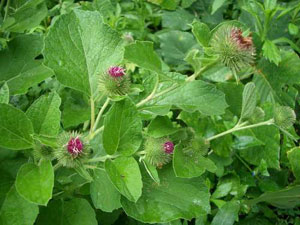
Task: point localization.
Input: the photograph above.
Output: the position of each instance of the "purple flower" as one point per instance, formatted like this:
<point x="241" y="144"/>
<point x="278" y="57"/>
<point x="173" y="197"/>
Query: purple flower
<point x="75" y="146"/>
<point x="169" y="147"/>
<point x="236" y="35"/>
<point x="116" y="71"/>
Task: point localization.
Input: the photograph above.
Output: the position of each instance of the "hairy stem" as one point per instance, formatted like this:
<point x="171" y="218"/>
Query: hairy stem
<point x="149" y="96"/>
<point x="237" y="128"/>
<point x="100" y="114"/>
<point x="92" y="114"/>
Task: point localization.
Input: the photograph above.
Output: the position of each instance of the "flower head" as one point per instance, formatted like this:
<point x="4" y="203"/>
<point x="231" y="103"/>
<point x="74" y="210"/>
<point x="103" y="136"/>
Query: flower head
<point x="71" y="150"/>
<point x="116" y="71"/>
<point x="158" y="151"/>
<point x="169" y="147"/>
<point x="114" y="82"/>
<point x="235" y="50"/>
<point x="75" y="146"/>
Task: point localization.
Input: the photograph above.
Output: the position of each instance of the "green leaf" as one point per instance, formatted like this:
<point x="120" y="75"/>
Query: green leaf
<point x="35" y="183"/>
<point x="122" y="128"/>
<point x="79" y="47"/>
<point x="76" y="211"/>
<point x="197" y="95"/>
<point x="161" y="126"/>
<point x="201" y="32"/>
<point x="216" y="5"/>
<point x="17" y="211"/>
<point x="249" y="101"/>
<point x="44" y="114"/>
<point x="269" y="135"/>
<point x="75" y="108"/>
<point x="174" y="198"/>
<point x="286" y="198"/>
<point x="191" y="165"/>
<point x="26" y="16"/>
<point x="124" y="173"/>
<point x="271" y="52"/>
<point x="103" y="193"/>
<point x="4" y="93"/>
<point x="227" y="214"/>
<point x="294" y="158"/>
<point x="15" y="128"/>
<point x="177" y="20"/>
<point x="151" y="170"/>
<point x="18" y="66"/>
<point x="271" y="80"/>
<point x="142" y="54"/>
<point x="175" y="45"/>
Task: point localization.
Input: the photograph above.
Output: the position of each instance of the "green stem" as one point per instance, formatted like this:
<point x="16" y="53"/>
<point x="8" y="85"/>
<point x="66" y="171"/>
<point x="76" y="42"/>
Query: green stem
<point x="92" y="114"/>
<point x="149" y="96"/>
<point x="6" y="10"/>
<point x="237" y="128"/>
<point x="102" y="158"/>
<point x="93" y="134"/>
<point x="195" y="75"/>
<point x="100" y="114"/>
<point x="1" y="6"/>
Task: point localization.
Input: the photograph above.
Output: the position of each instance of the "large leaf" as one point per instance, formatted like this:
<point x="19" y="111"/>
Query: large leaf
<point x="294" y="158"/>
<point x="269" y="136"/>
<point x="175" y="45"/>
<point x="27" y="15"/>
<point x="227" y="214"/>
<point x="35" y="183"/>
<point x="196" y="95"/>
<point x="18" y="65"/>
<point x="125" y="174"/>
<point x="17" y="211"/>
<point x="173" y="198"/>
<point x="79" y="47"/>
<point x="15" y="128"/>
<point x="274" y="83"/>
<point x="285" y="198"/>
<point x="191" y="164"/>
<point x="142" y="54"/>
<point x="161" y="126"/>
<point x="122" y="129"/>
<point x="177" y="20"/>
<point x="103" y="193"/>
<point x="44" y="114"/>
<point x="77" y="211"/>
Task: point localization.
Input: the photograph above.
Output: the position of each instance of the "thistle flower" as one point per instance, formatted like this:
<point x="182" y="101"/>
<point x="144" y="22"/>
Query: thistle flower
<point x="234" y="50"/>
<point x="158" y="151"/>
<point x="168" y="147"/>
<point x="116" y="71"/>
<point x="71" y="149"/>
<point x="114" y="82"/>
<point x="75" y="146"/>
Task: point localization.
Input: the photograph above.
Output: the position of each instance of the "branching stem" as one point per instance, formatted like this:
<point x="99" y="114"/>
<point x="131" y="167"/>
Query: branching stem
<point x="100" y="114"/>
<point x="241" y="127"/>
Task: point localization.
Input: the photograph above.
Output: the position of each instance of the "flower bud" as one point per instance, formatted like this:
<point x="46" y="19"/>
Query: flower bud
<point x="158" y="151"/>
<point x="234" y="50"/>
<point x="284" y="117"/>
<point x="114" y="82"/>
